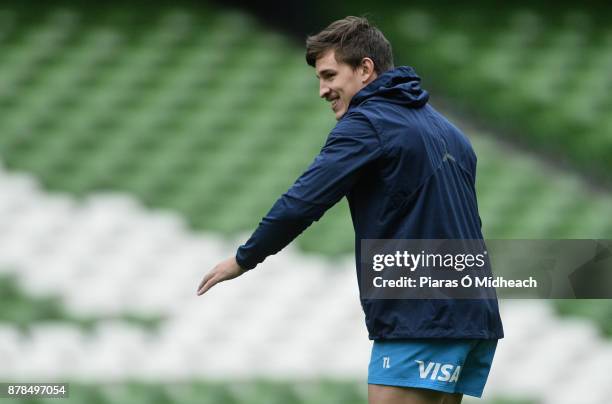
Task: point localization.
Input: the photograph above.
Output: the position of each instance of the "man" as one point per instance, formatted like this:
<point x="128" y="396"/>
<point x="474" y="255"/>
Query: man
<point x="407" y="174"/>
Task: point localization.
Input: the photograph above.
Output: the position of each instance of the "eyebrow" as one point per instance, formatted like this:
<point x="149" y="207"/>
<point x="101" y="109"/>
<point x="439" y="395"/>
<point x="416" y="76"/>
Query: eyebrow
<point x="326" y="72"/>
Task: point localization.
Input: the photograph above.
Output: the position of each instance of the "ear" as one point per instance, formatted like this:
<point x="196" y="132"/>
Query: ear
<point x="367" y="70"/>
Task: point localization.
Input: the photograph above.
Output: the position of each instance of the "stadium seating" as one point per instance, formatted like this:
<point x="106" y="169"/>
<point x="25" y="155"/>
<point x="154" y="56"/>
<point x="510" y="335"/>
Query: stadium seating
<point x="137" y="148"/>
<point x="544" y="74"/>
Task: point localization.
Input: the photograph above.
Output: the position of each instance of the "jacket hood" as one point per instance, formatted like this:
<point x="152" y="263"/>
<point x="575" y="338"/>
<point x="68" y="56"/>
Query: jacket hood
<point x="400" y="86"/>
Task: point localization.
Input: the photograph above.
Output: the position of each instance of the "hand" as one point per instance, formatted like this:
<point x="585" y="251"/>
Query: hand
<point x="223" y="271"/>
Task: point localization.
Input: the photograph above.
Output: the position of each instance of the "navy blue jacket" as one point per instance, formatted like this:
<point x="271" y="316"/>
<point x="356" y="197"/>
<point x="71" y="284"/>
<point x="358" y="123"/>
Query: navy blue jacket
<point x="407" y="173"/>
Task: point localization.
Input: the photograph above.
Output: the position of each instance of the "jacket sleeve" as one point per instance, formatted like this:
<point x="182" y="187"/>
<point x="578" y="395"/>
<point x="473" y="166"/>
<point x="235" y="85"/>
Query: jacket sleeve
<point x="351" y="145"/>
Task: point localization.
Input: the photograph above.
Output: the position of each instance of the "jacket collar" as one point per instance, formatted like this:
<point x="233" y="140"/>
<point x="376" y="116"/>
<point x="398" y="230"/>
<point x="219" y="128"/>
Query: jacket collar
<point x="400" y="85"/>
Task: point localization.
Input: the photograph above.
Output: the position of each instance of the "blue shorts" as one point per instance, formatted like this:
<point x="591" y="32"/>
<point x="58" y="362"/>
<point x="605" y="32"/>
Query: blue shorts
<point x="448" y="365"/>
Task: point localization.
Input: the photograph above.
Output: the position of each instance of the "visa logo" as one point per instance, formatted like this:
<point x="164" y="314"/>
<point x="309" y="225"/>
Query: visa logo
<point x="444" y="372"/>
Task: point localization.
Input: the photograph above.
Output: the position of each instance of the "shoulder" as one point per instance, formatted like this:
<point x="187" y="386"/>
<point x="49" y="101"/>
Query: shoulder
<point x="377" y="111"/>
<point x="354" y="128"/>
<point x="354" y="119"/>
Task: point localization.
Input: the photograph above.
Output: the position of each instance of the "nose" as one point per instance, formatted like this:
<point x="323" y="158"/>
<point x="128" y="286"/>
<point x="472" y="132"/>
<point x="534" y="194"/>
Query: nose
<point x="323" y="89"/>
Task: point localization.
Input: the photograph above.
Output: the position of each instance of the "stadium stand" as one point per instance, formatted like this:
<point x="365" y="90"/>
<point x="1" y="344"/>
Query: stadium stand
<point x="544" y="75"/>
<point x="136" y="151"/>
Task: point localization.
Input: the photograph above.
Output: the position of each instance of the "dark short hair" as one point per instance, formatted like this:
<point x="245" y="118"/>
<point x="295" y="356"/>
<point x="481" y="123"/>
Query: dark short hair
<point x="352" y="38"/>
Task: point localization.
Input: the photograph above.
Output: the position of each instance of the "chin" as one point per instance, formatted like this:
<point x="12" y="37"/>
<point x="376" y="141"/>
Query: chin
<point x="339" y="114"/>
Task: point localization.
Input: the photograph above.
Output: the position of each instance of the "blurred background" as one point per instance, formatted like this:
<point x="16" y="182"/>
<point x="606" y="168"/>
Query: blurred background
<point x="141" y="143"/>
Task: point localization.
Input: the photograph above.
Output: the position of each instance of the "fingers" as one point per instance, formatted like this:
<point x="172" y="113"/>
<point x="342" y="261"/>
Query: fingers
<point x="205" y="279"/>
<point x="209" y="280"/>
<point x="225" y="270"/>
<point x="205" y="285"/>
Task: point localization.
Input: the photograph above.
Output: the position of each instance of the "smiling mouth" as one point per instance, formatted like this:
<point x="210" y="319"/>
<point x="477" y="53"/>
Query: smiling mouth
<point x="334" y="104"/>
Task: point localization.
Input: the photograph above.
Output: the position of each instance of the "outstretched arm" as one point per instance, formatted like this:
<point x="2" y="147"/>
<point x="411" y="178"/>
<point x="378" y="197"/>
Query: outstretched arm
<point x="351" y="146"/>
